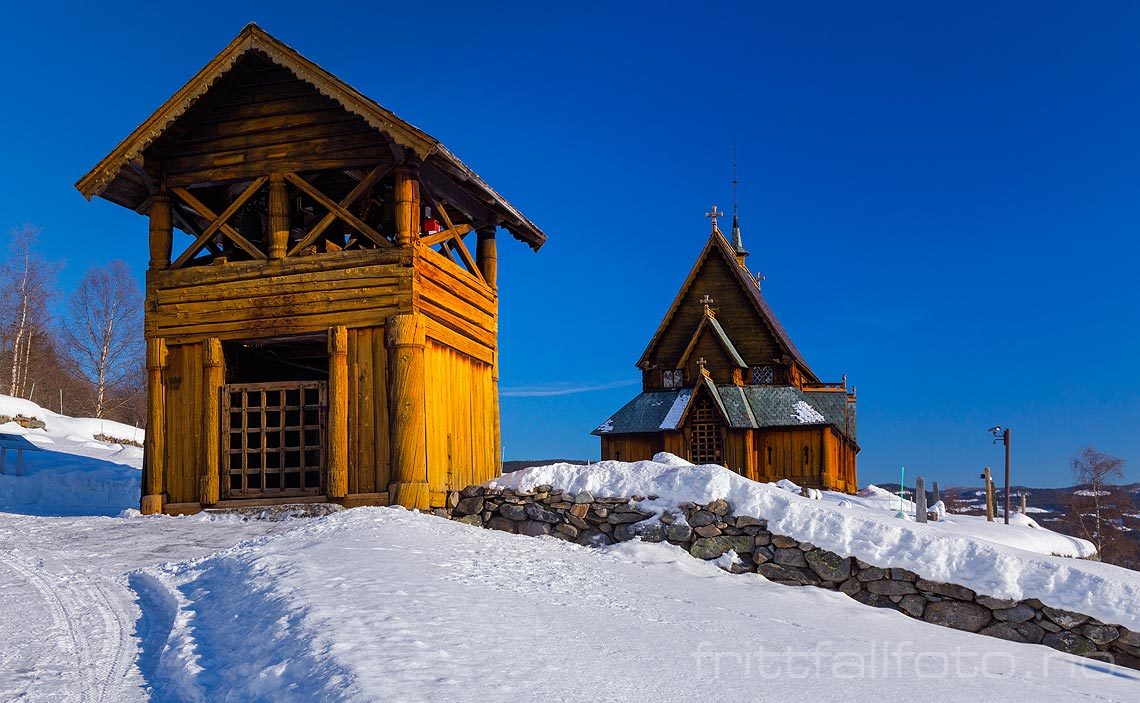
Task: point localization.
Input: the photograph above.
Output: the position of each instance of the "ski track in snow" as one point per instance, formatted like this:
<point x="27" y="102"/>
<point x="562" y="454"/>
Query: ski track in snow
<point x="68" y="618"/>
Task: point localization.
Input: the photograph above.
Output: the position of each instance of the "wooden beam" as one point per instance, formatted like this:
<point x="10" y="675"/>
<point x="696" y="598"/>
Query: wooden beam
<point x="488" y="257"/>
<point x="219" y="222"/>
<point x="359" y="189"/>
<point x="155" y="446"/>
<point x="338" y="413"/>
<point x="279" y="221"/>
<point x="460" y="247"/>
<point x="188" y="198"/>
<point x="431" y="240"/>
<point x="354" y="221"/>
<point x="407" y="205"/>
<point x="161" y="231"/>
<point x="407" y="408"/>
<point x="213" y="375"/>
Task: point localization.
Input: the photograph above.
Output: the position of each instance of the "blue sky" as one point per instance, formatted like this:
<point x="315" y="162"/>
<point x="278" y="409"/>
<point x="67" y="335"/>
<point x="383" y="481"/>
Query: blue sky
<point x="944" y="199"/>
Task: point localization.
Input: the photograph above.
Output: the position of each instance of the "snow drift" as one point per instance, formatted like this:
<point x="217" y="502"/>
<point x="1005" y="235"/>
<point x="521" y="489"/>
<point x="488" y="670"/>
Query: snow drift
<point x="1015" y="561"/>
<point x="73" y="473"/>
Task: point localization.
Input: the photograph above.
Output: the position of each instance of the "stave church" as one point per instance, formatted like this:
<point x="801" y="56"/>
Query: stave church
<point x="722" y="383"/>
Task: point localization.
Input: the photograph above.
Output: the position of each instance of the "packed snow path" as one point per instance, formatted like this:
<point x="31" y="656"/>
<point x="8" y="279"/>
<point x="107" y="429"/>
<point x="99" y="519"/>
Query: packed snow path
<point x="68" y="618"/>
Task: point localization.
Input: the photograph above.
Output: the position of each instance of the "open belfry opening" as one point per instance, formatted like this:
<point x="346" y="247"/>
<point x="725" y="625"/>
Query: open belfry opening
<point x="321" y="302"/>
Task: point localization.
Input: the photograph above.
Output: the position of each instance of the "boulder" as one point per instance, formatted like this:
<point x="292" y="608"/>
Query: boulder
<point x="700" y="518"/>
<point x="996" y="603"/>
<point x="475" y="520"/>
<point x="469" y="506"/>
<point x="534" y="528"/>
<point x="1005" y="631"/>
<point x="784" y="542"/>
<point x="1099" y="633"/>
<point x="579" y="510"/>
<point x="469" y="491"/>
<point x="718" y="507"/>
<point x="678" y="532"/>
<point x="538" y="513"/>
<point x="616" y="518"/>
<point x="762" y="538"/>
<point x="891" y="588"/>
<point x="903" y="575"/>
<point x="1064" y="618"/>
<point x="502" y="523"/>
<point x="947" y="590"/>
<point x="1018" y="613"/>
<point x="958" y="615"/>
<point x="594" y="538"/>
<point x="713" y="547"/>
<point x="583" y="497"/>
<point x="872" y="573"/>
<point x="828" y="565"/>
<point x="512" y="511"/>
<point x="568" y="530"/>
<point x="912" y="604"/>
<point x="743" y="521"/>
<point x="790" y="557"/>
<point x="708" y="531"/>
<point x="782" y="574"/>
<point x="850" y="586"/>
<point x="1069" y="642"/>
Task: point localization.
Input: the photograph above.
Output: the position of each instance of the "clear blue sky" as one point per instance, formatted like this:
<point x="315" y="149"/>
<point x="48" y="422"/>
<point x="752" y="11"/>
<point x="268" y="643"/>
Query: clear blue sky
<point x="945" y="200"/>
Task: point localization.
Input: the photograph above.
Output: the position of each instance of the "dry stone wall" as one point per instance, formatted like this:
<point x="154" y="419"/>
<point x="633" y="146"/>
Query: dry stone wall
<point x="710" y="531"/>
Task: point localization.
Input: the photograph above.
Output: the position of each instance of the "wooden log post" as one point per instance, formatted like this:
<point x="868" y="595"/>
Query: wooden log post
<point x="920" y="499"/>
<point x="279" y="223"/>
<point x="989" y="494"/>
<point x="408" y="209"/>
<point x="155" y="445"/>
<point x="213" y="373"/>
<point x="161" y="231"/>
<point x="487" y="256"/>
<point x="338" y="413"/>
<point x="407" y="411"/>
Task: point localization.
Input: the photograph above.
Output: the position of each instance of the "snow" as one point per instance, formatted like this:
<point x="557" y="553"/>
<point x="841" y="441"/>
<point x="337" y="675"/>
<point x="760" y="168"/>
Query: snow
<point x="1091" y="494"/>
<point x="676" y="410"/>
<point x="73" y="474"/>
<point x="383" y="604"/>
<point x="607" y="426"/>
<point x="1014" y="561"/>
<point x="806" y="414"/>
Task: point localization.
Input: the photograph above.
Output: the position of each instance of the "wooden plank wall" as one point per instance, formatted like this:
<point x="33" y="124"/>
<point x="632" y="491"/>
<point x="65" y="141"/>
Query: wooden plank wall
<point x="631" y="447"/>
<point x="461" y="311"/>
<point x="243" y="300"/>
<point x="718" y="363"/>
<point x="182" y="388"/>
<point x="265" y="119"/>
<point x="787" y="455"/>
<point x="461" y="422"/>
<point x="746" y="329"/>
<point x="369" y="457"/>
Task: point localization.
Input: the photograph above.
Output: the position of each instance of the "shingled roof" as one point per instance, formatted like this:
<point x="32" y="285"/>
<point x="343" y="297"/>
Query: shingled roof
<point x="744" y="407"/>
<point x="102" y="179"/>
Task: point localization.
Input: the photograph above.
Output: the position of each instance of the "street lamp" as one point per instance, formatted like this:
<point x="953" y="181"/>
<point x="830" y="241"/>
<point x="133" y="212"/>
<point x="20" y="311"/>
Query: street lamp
<point x="1003" y="436"/>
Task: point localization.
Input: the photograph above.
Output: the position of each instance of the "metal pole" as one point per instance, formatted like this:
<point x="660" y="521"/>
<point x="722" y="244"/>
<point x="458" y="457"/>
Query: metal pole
<point x="1005" y="439"/>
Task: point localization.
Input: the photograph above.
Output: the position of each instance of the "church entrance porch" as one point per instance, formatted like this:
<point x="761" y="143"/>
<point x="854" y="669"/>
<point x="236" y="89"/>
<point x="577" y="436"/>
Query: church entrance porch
<point x="706" y="443"/>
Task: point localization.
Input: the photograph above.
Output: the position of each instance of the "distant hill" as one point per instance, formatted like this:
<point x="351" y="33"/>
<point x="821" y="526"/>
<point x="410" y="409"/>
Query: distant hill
<point x="520" y="464"/>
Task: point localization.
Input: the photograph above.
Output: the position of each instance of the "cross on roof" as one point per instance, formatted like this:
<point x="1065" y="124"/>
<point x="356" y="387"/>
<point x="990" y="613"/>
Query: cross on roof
<point x="713" y="214"/>
<point x="707" y="301"/>
<point x="701" y="362"/>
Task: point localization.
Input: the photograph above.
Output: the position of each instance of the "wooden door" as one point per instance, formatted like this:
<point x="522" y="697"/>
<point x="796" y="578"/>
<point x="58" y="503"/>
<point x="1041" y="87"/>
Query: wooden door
<point x="706" y="441"/>
<point x="273" y="437"/>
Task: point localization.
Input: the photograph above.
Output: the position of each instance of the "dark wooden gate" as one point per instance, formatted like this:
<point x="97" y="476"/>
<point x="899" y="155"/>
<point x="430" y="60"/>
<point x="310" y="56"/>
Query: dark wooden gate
<point x="273" y="437"/>
<point x="706" y="445"/>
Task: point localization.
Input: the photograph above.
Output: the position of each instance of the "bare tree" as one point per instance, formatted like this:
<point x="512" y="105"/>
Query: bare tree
<point x="104" y="334"/>
<point x="1097" y="510"/>
<point x="27" y="284"/>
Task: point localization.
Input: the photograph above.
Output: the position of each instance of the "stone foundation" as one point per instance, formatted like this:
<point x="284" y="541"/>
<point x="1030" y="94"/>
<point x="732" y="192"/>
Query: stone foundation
<point x="709" y="531"/>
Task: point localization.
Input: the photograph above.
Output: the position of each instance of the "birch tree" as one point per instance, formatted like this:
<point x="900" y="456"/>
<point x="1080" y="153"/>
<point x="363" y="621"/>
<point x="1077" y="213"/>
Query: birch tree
<point x="27" y="284"/>
<point x="104" y="334"/>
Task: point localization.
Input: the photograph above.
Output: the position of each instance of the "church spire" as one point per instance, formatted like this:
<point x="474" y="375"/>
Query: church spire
<point x="737" y="242"/>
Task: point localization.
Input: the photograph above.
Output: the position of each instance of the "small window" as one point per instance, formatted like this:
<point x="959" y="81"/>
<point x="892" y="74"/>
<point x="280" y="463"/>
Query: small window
<point x="673" y="378"/>
<point x="807" y="456"/>
<point x="763" y="375"/>
<point x="769" y="456"/>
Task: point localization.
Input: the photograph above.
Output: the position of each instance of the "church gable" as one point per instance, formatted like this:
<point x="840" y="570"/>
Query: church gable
<point x="714" y="276"/>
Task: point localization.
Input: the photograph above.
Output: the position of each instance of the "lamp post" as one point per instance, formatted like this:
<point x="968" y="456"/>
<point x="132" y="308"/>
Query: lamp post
<point x="1003" y="436"/>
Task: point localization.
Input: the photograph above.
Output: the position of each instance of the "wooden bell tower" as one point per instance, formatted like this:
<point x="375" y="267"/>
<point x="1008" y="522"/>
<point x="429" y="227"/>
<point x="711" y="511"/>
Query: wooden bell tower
<point x="317" y="326"/>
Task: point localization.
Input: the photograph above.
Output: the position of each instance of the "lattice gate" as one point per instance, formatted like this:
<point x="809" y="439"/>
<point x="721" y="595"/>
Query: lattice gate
<point x="705" y="442"/>
<point x="273" y="437"/>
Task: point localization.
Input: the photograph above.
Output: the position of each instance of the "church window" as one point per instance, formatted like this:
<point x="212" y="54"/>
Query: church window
<point x="763" y="375"/>
<point x="673" y="378"/>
